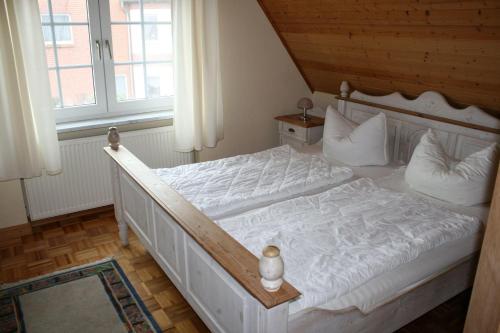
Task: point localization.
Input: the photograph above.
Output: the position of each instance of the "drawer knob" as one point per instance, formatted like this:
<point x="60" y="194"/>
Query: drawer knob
<point x="291" y="130"/>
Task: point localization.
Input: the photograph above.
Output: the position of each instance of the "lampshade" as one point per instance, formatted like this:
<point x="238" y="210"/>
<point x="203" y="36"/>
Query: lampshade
<point x="305" y="103"/>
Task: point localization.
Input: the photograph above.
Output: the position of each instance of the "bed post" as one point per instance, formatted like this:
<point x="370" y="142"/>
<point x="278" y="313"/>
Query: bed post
<point x="274" y="320"/>
<point x="272" y="269"/>
<point x="114" y="143"/>
<point x="344" y="92"/>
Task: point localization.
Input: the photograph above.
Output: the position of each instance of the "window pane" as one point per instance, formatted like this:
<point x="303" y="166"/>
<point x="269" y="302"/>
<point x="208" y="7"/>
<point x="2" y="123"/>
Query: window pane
<point x="134" y="76"/>
<point x="127" y="42"/>
<point x="121" y="10"/>
<point x="67" y="10"/>
<point x="160" y="80"/>
<point x="54" y="90"/>
<point x="49" y="54"/>
<point x="61" y="18"/>
<point x="162" y="10"/>
<point x="159" y="43"/>
<point x="76" y="52"/>
<point x="151" y="32"/>
<point x="63" y="34"/>
<point x="121" y="87"/>
<point x="47" y="33"/>
<point x="77" y="86"/>
<point x="150" y="16"/>
<point x="43" y="5"/>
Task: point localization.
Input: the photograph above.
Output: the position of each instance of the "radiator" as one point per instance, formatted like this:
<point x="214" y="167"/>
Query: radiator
<point x="84" y="182"/>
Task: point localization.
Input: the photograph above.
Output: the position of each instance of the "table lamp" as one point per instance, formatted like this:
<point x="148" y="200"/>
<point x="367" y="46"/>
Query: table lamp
<point x="305" y="104"/>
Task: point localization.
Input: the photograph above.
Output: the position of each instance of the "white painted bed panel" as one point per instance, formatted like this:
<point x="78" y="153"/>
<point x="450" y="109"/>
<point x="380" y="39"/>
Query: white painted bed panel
<point x="136" y="208"/>
<point x="168" y="243"/>
<point x="224" y="302"/>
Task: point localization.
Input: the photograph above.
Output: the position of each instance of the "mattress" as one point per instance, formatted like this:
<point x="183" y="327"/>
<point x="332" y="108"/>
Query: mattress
<point x="231" y="185"/>
<point x="335" y="242"/>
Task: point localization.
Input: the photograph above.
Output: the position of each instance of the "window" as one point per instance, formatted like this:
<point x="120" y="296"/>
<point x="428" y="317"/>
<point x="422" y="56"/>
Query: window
<point x="108" y="57"/>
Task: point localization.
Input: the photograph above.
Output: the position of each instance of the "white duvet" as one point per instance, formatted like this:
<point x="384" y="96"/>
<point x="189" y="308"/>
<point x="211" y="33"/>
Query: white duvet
<point x="226" y="186"/>
<point x="335" y="241"/>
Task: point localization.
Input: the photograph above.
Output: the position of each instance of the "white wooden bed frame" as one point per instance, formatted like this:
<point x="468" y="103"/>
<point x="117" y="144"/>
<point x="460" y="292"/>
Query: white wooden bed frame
<point x="219" y="277"/>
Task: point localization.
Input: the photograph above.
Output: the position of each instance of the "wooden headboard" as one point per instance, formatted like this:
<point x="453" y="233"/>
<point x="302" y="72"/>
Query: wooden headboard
<point x="461" y="131"/>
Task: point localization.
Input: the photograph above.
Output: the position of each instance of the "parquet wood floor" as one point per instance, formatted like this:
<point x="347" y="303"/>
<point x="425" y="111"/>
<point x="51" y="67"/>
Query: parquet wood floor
<point x="55" y="247"/>
<point x="89" y="238"/>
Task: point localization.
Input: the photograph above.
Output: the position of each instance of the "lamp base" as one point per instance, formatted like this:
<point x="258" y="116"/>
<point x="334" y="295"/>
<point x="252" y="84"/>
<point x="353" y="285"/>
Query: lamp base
<point x="305" y="118"/>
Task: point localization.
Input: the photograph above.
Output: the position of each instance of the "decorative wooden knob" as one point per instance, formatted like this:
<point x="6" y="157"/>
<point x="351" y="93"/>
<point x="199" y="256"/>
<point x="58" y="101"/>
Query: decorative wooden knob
<point x="114" y="138"/>
<point x="271" y="268"/>
<point x="344" y="89"/>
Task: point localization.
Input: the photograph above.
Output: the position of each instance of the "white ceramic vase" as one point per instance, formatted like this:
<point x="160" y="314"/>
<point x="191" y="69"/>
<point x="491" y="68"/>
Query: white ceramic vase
<point x="271" y="268"/>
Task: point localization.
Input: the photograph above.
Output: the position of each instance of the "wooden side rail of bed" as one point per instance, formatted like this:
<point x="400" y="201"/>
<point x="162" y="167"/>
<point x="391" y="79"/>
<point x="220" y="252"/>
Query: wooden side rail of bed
<point x="217" y="275"/>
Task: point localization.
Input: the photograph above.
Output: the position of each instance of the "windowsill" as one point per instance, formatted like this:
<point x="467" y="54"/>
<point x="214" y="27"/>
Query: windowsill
<point x="83" y="125"/>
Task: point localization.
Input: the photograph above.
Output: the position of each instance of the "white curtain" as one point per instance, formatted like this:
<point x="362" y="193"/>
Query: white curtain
<point x="198" y="96"/>
<point x="28" y="138"/>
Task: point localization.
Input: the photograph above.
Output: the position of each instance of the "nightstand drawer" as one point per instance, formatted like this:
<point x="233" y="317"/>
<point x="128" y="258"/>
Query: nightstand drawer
<point x="289" y="140"/>
<point x="294" y="131"/>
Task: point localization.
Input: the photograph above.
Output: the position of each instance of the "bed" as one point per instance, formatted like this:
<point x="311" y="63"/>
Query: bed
<point x="219" y="276"/>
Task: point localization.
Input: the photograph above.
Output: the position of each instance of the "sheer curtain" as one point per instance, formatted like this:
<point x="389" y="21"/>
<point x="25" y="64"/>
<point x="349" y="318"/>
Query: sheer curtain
<point x="28" y="138"/>
<point x="198" y="96"/>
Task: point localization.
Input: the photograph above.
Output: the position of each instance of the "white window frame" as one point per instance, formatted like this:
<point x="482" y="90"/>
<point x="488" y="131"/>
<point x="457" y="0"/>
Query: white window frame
<point x="107" y="105"/>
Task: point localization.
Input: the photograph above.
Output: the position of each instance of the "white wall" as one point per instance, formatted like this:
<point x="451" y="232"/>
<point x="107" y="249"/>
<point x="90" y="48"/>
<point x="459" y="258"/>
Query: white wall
<point x="259" y="80"/>
<point x="321" y="100"/>
<point x="12" y="210"/>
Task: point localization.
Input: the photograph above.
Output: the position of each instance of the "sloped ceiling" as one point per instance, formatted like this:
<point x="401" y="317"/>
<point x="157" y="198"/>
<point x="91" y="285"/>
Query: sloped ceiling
<point x="382" y="46"/>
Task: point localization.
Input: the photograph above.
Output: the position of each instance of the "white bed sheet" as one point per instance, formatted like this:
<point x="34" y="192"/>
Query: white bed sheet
<point x="236" y="184"/>
<point x="336" y="242"/>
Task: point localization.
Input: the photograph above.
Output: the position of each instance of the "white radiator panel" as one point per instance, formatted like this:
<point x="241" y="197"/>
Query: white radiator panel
<point x="85" y="183"/>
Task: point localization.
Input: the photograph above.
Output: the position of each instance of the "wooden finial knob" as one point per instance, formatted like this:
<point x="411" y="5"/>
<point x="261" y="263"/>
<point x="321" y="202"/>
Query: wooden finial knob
<point x="271" y="268"/>
<point x="344" y="89"/>
<point x="114" y="138"/>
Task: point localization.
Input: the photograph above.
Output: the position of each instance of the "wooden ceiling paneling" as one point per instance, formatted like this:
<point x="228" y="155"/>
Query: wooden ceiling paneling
<point x="382" y="46"/>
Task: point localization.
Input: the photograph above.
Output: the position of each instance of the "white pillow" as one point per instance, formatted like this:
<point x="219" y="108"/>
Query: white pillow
<point x="468" y="182"/>
<point x="345" y="141"/>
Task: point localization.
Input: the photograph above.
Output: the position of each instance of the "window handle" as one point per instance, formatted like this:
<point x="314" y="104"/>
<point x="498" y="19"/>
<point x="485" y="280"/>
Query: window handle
<point x="99" y="51"/>
<point x="108" y="45"/>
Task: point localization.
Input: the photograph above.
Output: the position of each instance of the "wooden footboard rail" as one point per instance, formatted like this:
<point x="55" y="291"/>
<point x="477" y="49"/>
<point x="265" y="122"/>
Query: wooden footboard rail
<point x="217" y="275"/>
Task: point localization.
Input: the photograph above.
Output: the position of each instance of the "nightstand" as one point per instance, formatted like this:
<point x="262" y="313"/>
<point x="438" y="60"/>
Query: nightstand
<point x="297" y="133"/>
